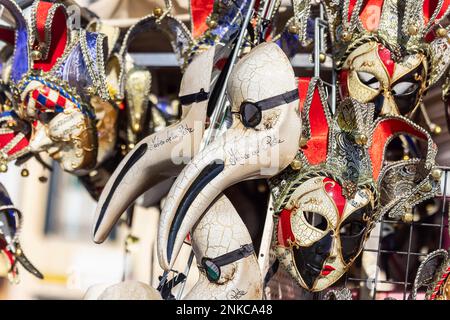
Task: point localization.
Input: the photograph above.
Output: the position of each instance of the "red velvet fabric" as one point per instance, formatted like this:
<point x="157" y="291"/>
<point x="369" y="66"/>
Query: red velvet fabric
<point x="371" y="13"/>
<point x="351" y="6"/>
<point x="384" y="130"/>
<point x="284" y="230"/>
<point x="316" y="148"/>
<point x="303" y="84"/>
<point x="7" y="35"/>
<point x="444" y="8"/>
<point x="429" y="6"/>
<point x="58" y="38"/>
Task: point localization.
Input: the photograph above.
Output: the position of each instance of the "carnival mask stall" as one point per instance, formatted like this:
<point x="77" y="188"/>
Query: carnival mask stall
<point x="230" y="150"/>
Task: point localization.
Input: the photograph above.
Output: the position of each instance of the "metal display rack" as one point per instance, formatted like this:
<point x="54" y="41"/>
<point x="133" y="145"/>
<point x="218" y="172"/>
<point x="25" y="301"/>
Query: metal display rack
<point x="382" y="283"/>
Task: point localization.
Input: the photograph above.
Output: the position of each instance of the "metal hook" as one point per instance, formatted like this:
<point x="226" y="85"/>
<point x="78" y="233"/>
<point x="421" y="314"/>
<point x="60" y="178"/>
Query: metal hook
<point x="169" y="6"/>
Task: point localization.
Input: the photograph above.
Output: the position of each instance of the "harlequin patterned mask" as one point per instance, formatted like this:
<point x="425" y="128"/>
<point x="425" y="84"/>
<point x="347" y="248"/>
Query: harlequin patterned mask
<point x="58" y="76"/>
<point x="327" y="203"/>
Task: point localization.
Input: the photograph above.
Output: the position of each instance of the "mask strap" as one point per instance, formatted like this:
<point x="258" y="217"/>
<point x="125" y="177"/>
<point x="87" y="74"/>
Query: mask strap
<point x="212" y="266"/>
<point x="281" y="99"/>
<point x="194" y="97"/>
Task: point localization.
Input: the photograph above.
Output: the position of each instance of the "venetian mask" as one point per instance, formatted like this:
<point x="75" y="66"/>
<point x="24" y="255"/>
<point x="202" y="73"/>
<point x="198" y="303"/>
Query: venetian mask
<point x="14" y="138"/>
<point x="386" y="52"/>
<point x="59" y="82"/>
<point x="370" y="74"/>
<point x="330" y="198"/>
<point x="159" y="156"/>
<point x="324" y="230"/>
<point x="60" y="129"/>
<point x="261" y="142"/>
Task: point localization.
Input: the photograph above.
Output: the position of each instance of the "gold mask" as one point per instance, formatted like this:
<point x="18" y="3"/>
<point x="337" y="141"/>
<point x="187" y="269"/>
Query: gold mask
<point x="369" y="74"/>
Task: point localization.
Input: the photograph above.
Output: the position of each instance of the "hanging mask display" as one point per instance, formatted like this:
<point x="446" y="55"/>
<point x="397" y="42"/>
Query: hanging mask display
<point x="134" y="82"/>
<point x="274" y="161"/>
<point x="434" y="274"/>
<point x="255" y="146"/>
<point x="122" y="125"/>
<point x="387" y="53"/>
<point x="14" y="138"/>
<point x="55" y="74"/>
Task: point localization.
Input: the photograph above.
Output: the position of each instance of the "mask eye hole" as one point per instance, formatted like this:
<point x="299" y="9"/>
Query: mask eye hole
<point x="368" y="79"/>
<point x="316" y="220"/>
<point x="351" y="229"/>
<point x="250" y="114"/>
<point x="405" y="87"/>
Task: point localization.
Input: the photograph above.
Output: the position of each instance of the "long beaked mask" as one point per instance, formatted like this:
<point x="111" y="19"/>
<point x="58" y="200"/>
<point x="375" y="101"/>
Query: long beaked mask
<point x="262" y="141"/>
<point x="327" y="204"/>
<point x="56" y="72"/>
<point x="162" y="155"/>
<point x="240" y="279"/>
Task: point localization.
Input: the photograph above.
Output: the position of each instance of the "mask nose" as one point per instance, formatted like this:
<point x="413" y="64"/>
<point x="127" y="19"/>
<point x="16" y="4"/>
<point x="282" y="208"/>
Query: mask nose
<point x="334" y="248"/>
<point x="385" y="104"/>
<point x="379" y="102"/>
